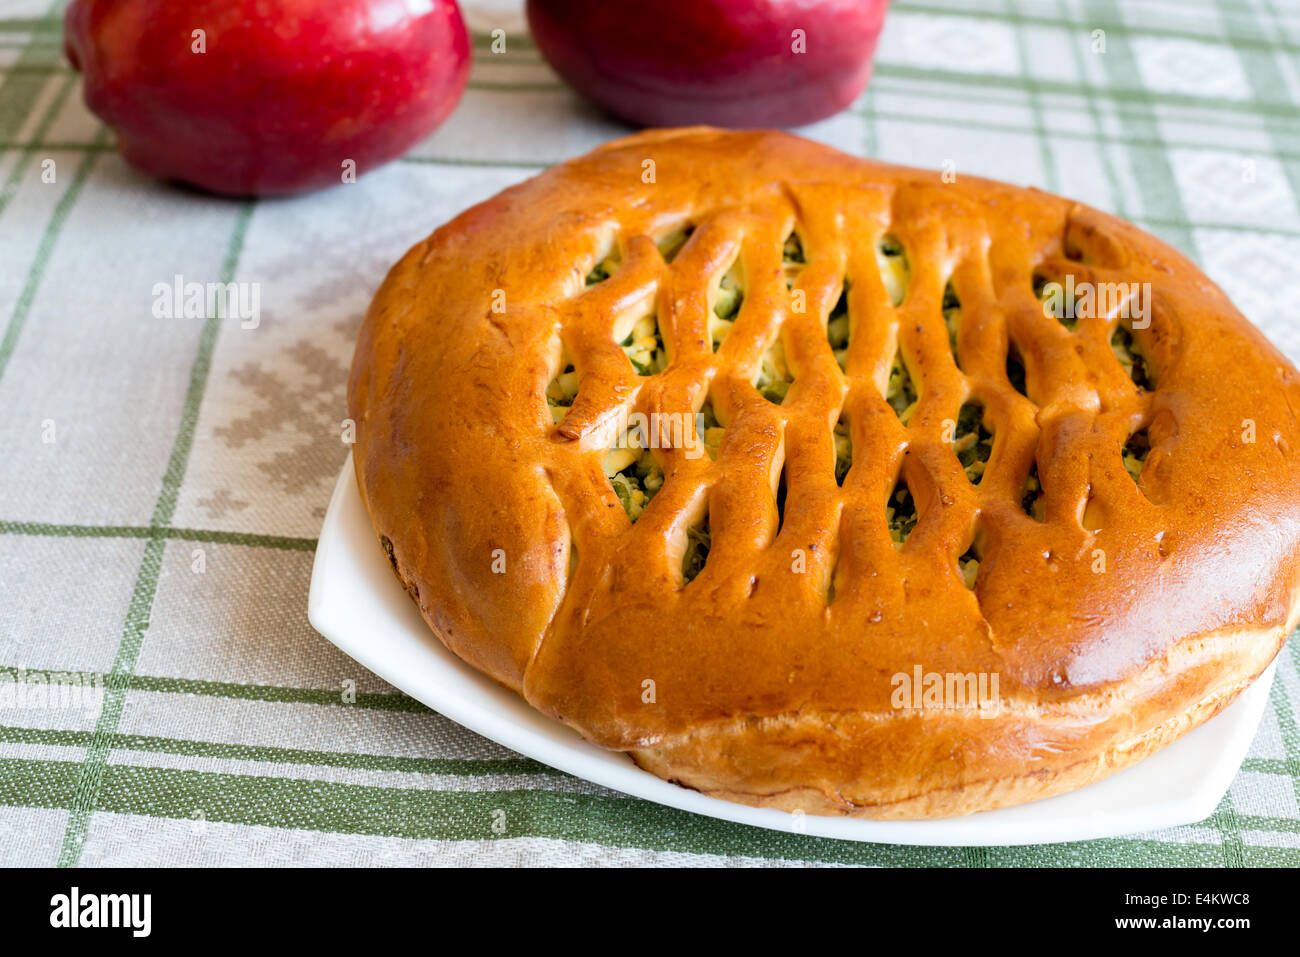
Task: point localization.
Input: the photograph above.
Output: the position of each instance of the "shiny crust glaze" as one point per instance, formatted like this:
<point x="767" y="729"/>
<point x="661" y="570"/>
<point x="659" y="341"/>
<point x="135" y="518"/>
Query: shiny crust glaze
<point x="771" y="686"/>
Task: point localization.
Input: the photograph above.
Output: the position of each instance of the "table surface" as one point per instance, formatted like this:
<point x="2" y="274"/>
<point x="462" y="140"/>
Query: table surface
<point x="162" y="481"/>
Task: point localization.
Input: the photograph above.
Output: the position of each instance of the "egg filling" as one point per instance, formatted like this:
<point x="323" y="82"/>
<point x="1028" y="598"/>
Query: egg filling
<point x="561" y="392"/>
<point x="605" y="268"/>
<point x="644" y="347"/>
<point x="891" y="259"/>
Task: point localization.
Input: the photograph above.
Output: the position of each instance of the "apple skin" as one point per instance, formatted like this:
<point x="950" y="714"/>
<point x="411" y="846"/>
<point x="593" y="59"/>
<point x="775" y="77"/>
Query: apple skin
<point x="286" y="92"/>
<point x="717" y="62"/>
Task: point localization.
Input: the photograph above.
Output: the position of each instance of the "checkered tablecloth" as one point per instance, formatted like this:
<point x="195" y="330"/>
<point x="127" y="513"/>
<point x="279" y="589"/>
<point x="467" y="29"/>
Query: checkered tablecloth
<point x="162" y="481"/>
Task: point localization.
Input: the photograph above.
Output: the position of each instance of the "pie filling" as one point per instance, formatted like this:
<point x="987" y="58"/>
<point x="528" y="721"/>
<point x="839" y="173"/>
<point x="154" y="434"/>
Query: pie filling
<point x="605" y="268"/>
<point x="1062" y="305"/>
<point x="697" y="550"/>
<point x="726" y="305"/>
<point x="901" y="393"/>
<point x="561" y="392"/>
<point x="837" y="328"/>
<point x="952" y="319"/>
<point x="901" y="513"/>
<point x="843" y="450"/>
<point x="969" y="566"/>
<point x="634" y="473"/>
<point x="1130" y="357"/>
<point x="644" y="347"/>
<point x="792" y="259"/>
<point x="1016" y="370"/>
<point x="1136" y="450"/>
<point x="972" y="442"/>
<point x="710" y="430"/>
<point x="1031" y="496"/>
<point x="891" y="257"/>
<point x="774" y="376"/>
<point x="671" y="244"/>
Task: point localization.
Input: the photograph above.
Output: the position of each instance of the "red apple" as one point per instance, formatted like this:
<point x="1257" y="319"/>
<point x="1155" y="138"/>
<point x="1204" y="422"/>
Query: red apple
<point x="258" y="97"/>
<point x="738" y="63"/>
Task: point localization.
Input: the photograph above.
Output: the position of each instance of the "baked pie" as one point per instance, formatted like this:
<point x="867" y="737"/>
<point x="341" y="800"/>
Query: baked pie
<point x="821" y="484"/>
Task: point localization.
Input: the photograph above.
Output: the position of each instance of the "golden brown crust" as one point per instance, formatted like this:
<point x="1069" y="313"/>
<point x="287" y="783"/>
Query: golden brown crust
<point x="1131" y="614"/>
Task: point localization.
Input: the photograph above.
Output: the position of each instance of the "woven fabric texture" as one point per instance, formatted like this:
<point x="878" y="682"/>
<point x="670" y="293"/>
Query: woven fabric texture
<point x="164" y="700"/>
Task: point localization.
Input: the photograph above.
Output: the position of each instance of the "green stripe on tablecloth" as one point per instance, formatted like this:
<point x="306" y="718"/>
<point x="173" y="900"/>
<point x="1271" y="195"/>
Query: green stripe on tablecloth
<point x="373" y="700"/>
<point x="20" y="88"/>
<point x="950" y="90"/>
<point x="29" y="152"/>
<point x="30" y="25"/>
<point x="478" y="163"/>
<point x="146" y="583"/>
<point x="1135" y="94"/>
<point x="466" y="767"/>
<point x="279" y="694"/>
<point x="210" y="536"/>
<point x="49" y="146"/>
<point x="23" y="306"/>
<point x="614" y="821"/>
<point x="1229" y="824"/>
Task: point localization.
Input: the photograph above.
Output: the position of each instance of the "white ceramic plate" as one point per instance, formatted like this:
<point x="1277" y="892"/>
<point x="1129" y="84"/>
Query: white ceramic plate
<point x="357" y="604"/>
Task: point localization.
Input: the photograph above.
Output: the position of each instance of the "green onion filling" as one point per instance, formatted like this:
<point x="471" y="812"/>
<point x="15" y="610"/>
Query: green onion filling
<point x="901" y="514"/>
<point x="698" y="541"/>
<point x="1131" y="358"/>
<point x="972" y="442"/>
